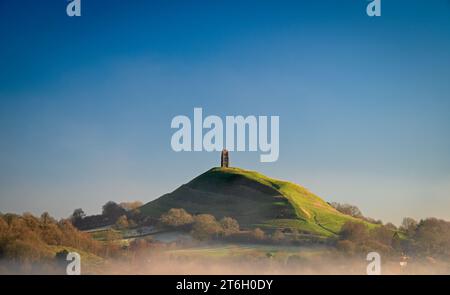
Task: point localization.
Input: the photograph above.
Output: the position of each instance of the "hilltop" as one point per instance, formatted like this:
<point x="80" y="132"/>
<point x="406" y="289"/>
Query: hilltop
<point x="254" y="200"/>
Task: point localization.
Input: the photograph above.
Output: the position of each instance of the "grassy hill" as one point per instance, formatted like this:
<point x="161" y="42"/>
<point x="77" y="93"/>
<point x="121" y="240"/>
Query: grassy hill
<point x="254" y="200"/>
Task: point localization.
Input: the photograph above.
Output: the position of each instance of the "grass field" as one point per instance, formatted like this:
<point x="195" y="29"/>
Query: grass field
<point x="248" y="253"/>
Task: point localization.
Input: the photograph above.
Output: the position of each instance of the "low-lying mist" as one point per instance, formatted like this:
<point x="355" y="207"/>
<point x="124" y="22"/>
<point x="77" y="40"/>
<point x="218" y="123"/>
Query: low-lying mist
<point x="323" y="263"/>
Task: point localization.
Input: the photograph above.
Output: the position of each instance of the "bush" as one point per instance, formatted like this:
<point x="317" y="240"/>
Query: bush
<point x="77" y="216"/>
<point x="176" y="217"/>
<point x="229" y="226"/>
<point x="409" y="226"/>
<point x="205" y="227"/>
<point x="278" y="235"/>
<point x="258" y="234"/>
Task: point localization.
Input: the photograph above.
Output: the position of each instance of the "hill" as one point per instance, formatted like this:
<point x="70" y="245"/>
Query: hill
<point x="253" y="199"/>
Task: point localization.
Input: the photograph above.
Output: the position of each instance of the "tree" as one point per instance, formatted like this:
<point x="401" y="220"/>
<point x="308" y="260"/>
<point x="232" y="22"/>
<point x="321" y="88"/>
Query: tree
<point x="383" y="235"/>
<point x="397" y="242"/>
<point x="205" y="227"/>
<point x="3" y="227"/>
<point x="77" y="215"/>
<point x="129" y="206"/>
<point x="112" y="211"/>
<point x="229" y="225"/>
<point x="348" y="209"/>
<point x="354" y="231"/>
<point x="409" y="225"/>
<point x="432" y="237"/>
<point x="177" y="217"/>
<point x="27" y="238"/>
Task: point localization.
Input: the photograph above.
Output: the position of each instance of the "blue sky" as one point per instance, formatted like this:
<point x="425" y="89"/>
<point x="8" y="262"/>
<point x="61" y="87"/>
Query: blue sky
<point x="86" y="103"/>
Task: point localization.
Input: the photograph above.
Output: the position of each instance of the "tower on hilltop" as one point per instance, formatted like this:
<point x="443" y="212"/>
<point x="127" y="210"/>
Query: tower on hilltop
<point x="224" y="159"/>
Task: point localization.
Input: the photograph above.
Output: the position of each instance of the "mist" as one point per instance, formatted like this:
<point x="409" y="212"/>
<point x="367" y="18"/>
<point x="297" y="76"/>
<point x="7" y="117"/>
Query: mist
<point x="162" y="263"/>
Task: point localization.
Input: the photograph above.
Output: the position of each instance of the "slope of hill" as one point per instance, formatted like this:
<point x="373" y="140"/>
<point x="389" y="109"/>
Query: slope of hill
<point x="254" y="200"/>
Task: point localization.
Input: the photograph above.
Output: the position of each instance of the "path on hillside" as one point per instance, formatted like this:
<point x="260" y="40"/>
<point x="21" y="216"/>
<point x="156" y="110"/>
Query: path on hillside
<point x="322" y="226"/>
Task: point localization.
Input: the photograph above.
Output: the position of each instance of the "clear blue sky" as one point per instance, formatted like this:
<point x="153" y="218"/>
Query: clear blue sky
<point x="86" y="103"/>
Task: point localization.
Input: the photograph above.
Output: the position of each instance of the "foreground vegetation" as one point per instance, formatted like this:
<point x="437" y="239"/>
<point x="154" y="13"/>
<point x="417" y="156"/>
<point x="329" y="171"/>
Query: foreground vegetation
<point x="28" y="240"/>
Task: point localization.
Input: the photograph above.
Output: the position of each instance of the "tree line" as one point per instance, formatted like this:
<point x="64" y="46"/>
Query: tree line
<point x="27" y="238"/>
<point x="123" y="215"/>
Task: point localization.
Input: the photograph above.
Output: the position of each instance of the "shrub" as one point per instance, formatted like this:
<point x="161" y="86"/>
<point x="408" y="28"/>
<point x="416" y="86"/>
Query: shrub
<point x="258" y="234"/>
<point x="176" y="217"/>
<point x="278" y="235"/>
<point x="205" y="227"/>
<point x="229" y="226"/>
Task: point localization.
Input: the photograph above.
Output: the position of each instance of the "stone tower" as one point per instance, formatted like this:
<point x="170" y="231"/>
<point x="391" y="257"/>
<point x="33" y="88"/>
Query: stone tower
<point x="224" y="160"/>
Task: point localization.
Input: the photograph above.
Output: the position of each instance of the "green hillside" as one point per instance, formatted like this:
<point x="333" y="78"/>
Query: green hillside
<point x="254" y="200"/>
